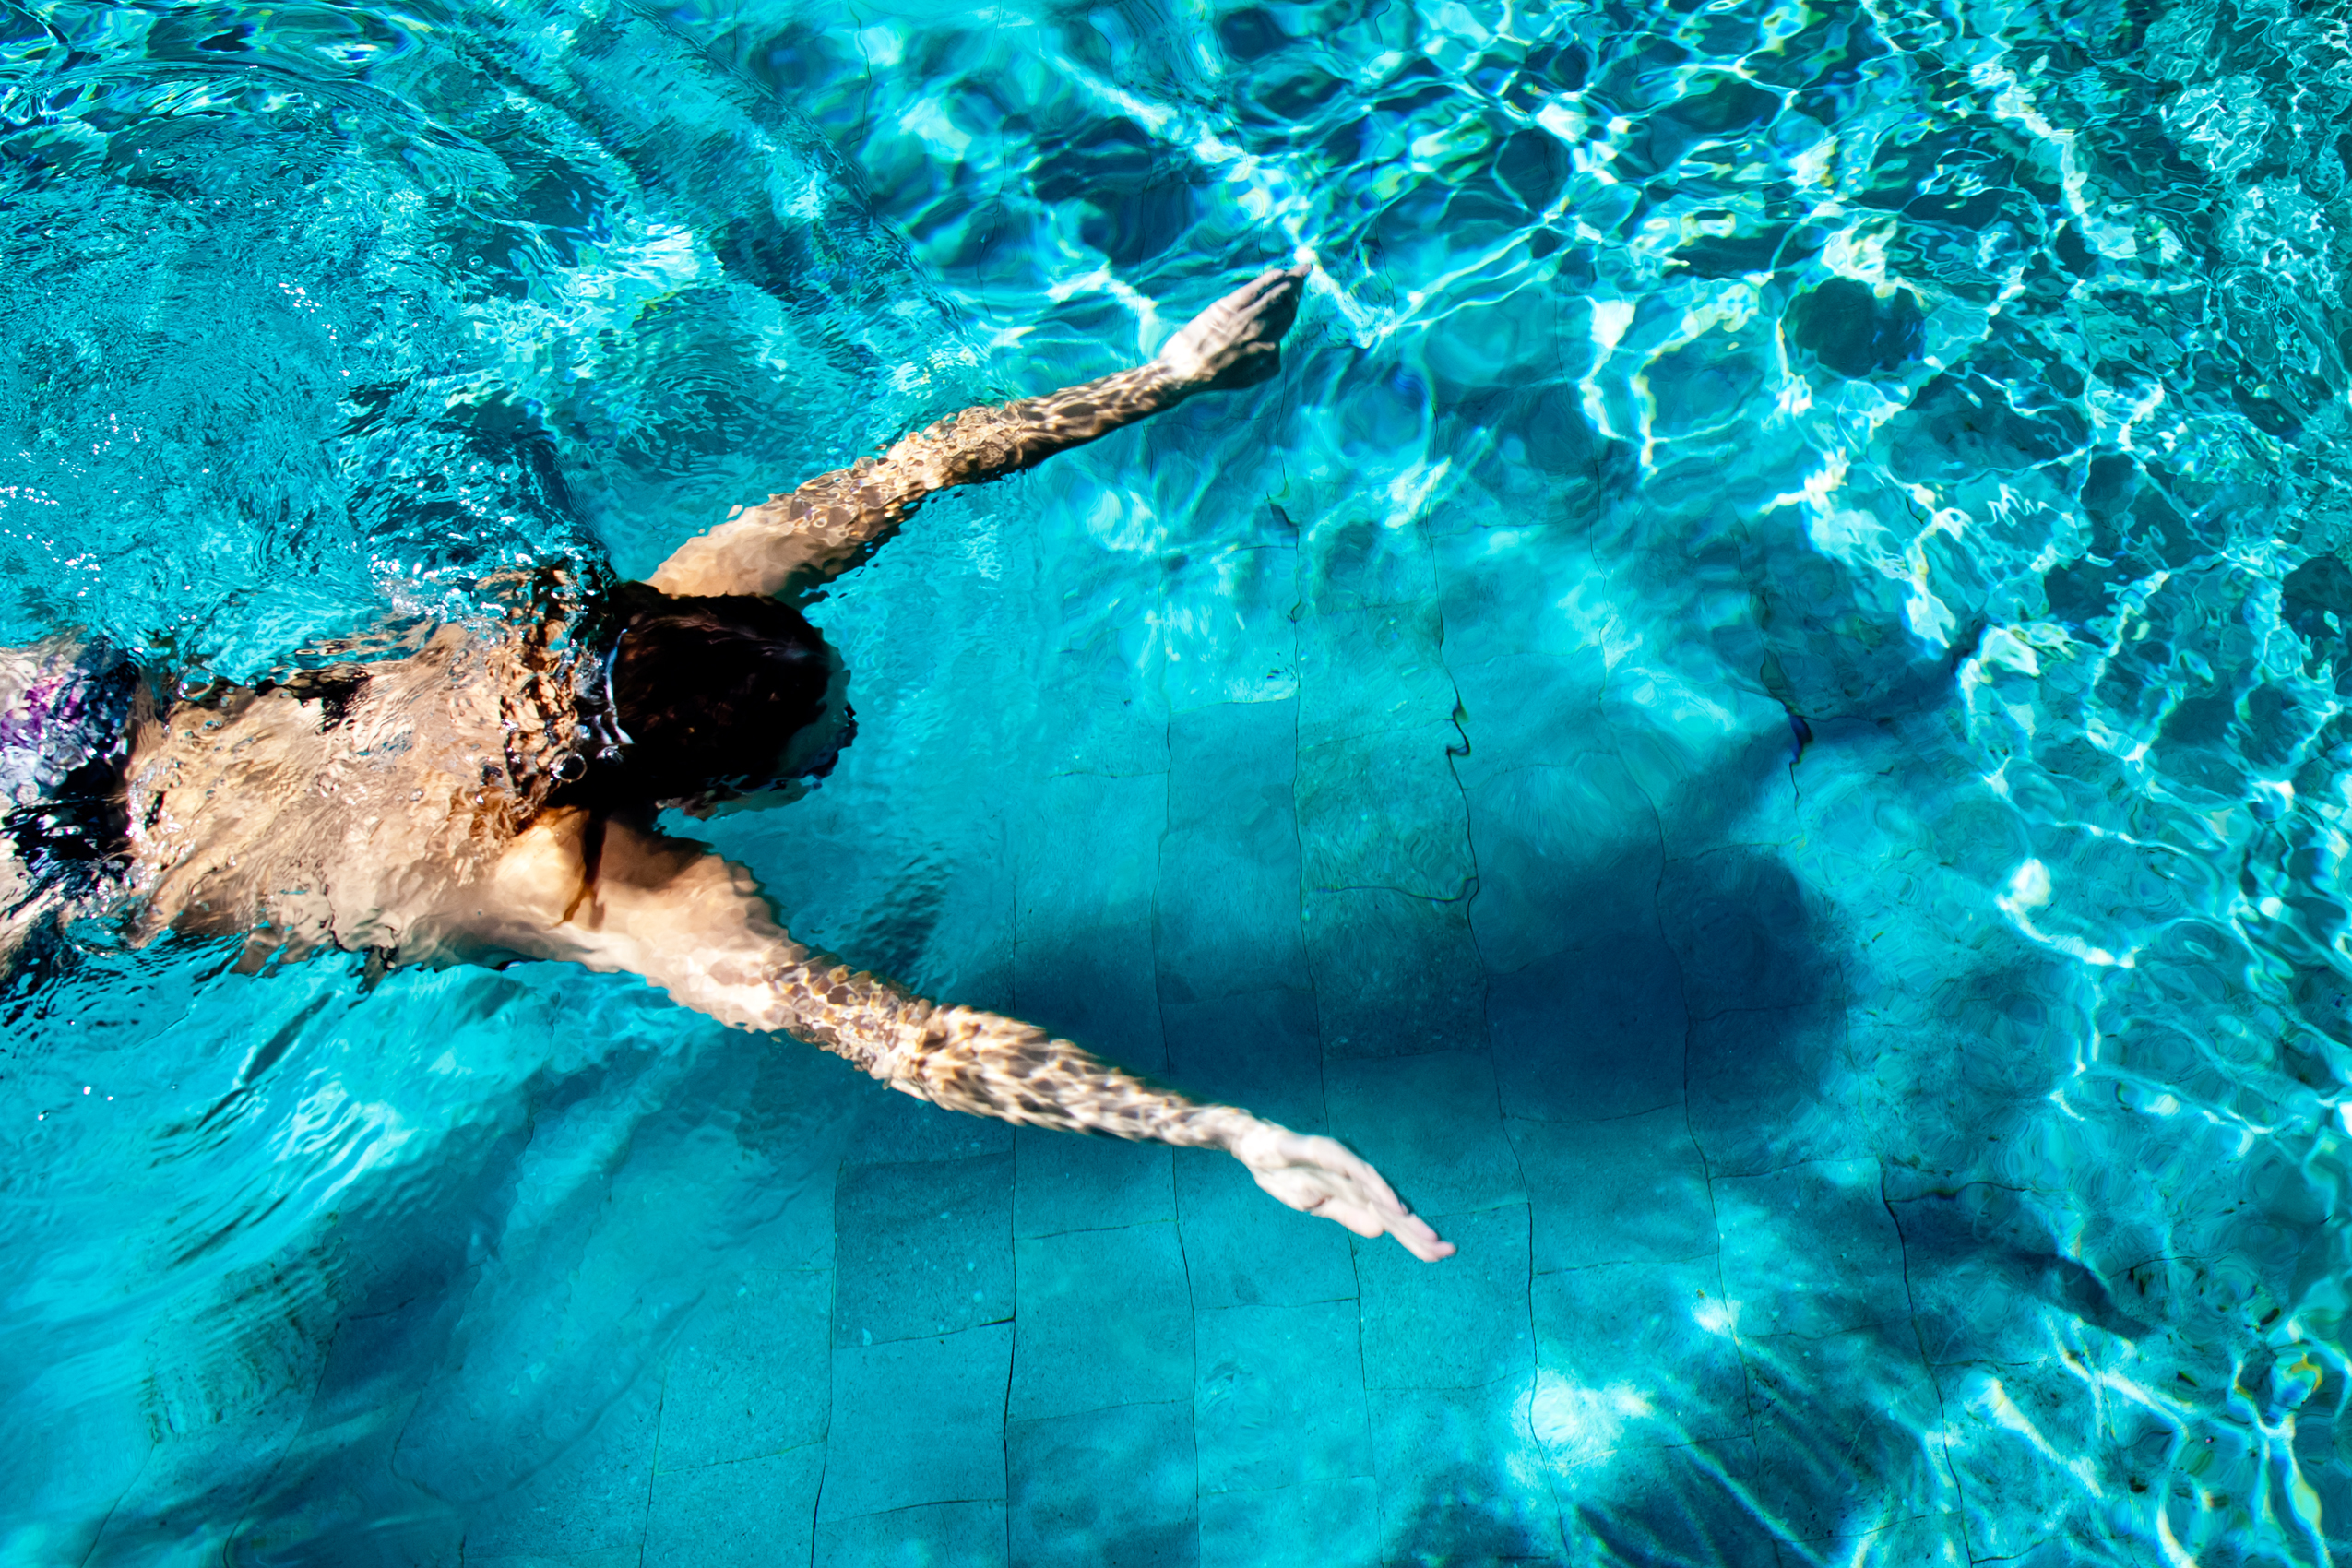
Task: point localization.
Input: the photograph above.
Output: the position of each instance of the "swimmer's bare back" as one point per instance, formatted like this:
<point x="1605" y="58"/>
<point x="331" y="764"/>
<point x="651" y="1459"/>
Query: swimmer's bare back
<point x="697" y="926"/>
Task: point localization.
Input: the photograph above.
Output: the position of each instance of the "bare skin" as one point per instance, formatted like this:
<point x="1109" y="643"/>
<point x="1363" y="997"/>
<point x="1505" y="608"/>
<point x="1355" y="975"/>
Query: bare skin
<point x="789" y="544"/>
<point x="668" y="909"/>
<point x="697" y="926"/>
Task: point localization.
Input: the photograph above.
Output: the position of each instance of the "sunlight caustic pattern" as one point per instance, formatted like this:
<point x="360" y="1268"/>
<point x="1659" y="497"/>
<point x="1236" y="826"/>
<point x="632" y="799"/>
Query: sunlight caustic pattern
<point x="1756" y="716"/>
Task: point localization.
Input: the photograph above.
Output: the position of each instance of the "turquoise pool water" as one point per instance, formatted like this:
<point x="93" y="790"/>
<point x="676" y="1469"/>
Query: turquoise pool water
<point x="1755" y="717"/>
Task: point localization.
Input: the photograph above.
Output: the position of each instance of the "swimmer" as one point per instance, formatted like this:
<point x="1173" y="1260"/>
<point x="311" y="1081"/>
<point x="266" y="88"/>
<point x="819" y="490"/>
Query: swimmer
<point x="485" y="794"/>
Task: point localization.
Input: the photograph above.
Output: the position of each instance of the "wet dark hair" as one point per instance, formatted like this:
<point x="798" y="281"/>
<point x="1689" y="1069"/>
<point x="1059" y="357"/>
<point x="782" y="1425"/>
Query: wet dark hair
<point x="710" y="691"/>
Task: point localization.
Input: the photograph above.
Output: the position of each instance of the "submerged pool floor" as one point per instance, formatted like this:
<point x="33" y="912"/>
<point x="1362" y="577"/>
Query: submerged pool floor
<point x="1757" y="717"/>
<point x="1702" y="1312"/>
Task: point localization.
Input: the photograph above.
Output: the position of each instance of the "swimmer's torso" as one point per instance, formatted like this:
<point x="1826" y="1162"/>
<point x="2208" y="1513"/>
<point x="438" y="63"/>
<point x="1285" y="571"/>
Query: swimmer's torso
<point x="339" y="811"/>
<point x="412" y="805"/>
<point x="343" y="806"/>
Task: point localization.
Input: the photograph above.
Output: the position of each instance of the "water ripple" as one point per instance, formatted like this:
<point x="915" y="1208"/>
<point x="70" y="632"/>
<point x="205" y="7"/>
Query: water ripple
<point x="1919" y="424"/>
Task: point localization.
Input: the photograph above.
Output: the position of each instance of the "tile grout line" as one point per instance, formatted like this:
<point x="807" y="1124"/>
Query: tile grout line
<point x="1323" y="1099"/>
<point x="1903" y="1246"/>
<point x="1707" y="1168"/>
<point x="832" y="1361"/>
<point x="1927" y="1368"/>
<point x="1012" y="1241"/>
<point x="1299" y="843"/>
<point x="1176" y="1213"/>
<point x="1192" y="1323"/>
<point x="653" y="1469"/>
<point x="1486" y="1017"/>
<point x="1035" y="552"/>
<point x="1175" y="1187"/>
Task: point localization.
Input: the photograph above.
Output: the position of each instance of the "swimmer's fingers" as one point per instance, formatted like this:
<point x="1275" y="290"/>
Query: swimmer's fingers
<point x="1412" y="1232"/>
<point x="1238" y="341"/>
<point x="1320" y="1176"/>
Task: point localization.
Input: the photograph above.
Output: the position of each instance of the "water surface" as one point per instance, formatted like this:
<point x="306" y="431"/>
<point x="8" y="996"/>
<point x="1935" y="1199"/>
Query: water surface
<point x="1757" y="716"/>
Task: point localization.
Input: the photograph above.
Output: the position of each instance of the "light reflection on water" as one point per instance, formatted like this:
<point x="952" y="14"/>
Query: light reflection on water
<point x="1871" y="471"/>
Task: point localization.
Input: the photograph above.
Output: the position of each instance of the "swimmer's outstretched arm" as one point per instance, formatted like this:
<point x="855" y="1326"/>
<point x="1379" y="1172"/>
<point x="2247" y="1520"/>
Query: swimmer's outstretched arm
<point x="837" y="520"/>
<point x="697" y="927"/>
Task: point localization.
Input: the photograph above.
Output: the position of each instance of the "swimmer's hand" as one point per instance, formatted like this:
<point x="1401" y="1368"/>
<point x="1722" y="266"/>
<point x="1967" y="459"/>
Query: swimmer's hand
<point x="1238" y="341"/>
<point x="1320" y="1176"/>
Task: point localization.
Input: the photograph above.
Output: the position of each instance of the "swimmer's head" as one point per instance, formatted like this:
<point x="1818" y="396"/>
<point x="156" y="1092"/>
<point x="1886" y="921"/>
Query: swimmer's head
<point x="723" y="697"/>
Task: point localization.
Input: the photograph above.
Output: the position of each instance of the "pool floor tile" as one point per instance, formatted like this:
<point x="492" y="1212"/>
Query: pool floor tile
<point x="1590" y="1034"/>
<point x="1847" y="1432"/>
<point x="1983" y="1266"/>
<point x="894" y="1128"/>
<point x="1567" y="857"/>
<point x="1225" y="618"/>
<point x="800" y="1237"/>
<point x="1357" y="563"/>
<point x="750" y="1374"/>
<point x="1375" y="671"/>
<point x="1635" y="1355"/>
<point x="1459" y="1323"/>
<point x="923" y="1248"/>
<point x="1639" y="1507"/>
<point x="1395" y="975"/>
<point x="1382" y="811"/>
<point x="1230" y="763"/>
<point x="1744" y="933"/>
<point x="1771" y="1086"/>
<point x="937" y="1535"/>
<point x="615" y="1557"/>
<point x="1115" y="1487"/>
<point x="1715" y="781"/>
<point x="1331" y="1523"/>
<point x="591" y="1497"/>
<point x="1630" y="1190"/>
<point x="1936" y="1541"/>
<point x="1226" y="913"/>
<point x="1064" y="1183"/>
<point x="1096" y="985"/>
<point x="1521" y="707"/>
<point x="1083" y="965"/>
<point x="1430" y="1124"/>
<point x="1095" y="715"/>
<point x="746" y="1515"/>
<point x="2002" y="1421"/>
<point x="1259" y="1049"/>
<point x="1242" y="1248"/>
<point x="1497" y="612"/>
<point x="1105" y="1320"/>
<point x="1281" y="1396"/>
<point x="1810" y="1249"/>
<point x="917" y="1420"/>
<point x="1460" y="1477"/>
